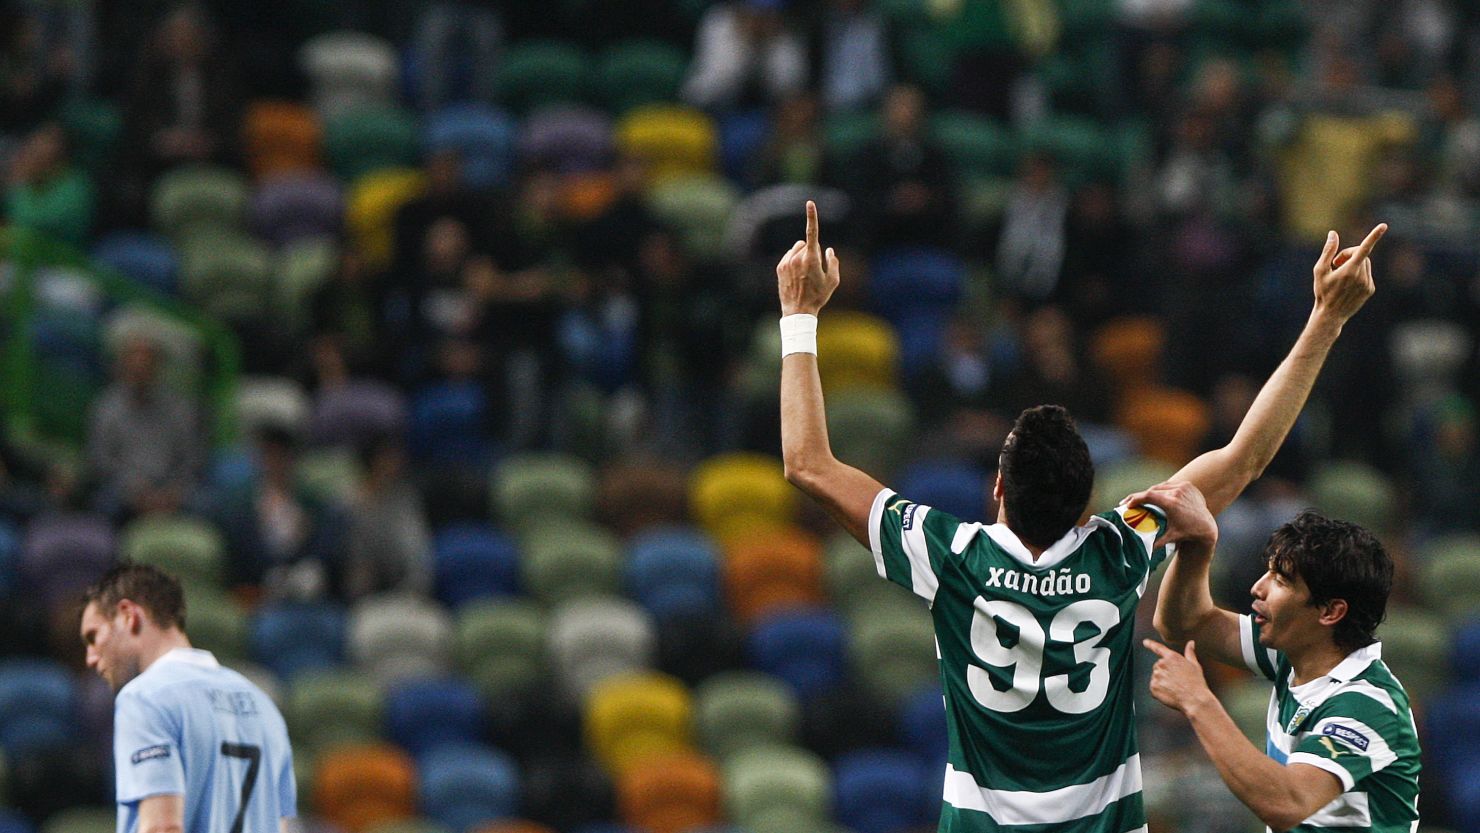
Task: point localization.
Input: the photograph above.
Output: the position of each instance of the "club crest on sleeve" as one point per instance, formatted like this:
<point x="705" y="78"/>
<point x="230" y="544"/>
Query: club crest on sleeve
<point x="150" y="753"/>
<point x="1296" y="719"/>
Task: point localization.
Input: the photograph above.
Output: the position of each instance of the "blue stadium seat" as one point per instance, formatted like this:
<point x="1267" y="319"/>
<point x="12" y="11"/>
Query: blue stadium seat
<point x="13" y="822"/>
<point x="902" y="280"/>
<point x="449" y="424"/>
<point x="673" y="571"/>
<point x="424" y="713"/>
<point x="148" y="259"/>
<point x="1464" y="662"/>
<point x="883" y="790"/>
<point x="921" y="336"/>
<point x="472" y="561"/>
<point x="291" y="637"/>
<point x="952" y="486"/>
<point x="1452" y="722"/>
<point x="10" y="556"/>
<point x="483" y="138"/>
<point x="804" y="647"/>
<point x="464" y="785"/>
<point x="922" y="726"/>
<point x="741" y="136"/>
<point x="1464" y="796"/>
<point x="37" y="706"/>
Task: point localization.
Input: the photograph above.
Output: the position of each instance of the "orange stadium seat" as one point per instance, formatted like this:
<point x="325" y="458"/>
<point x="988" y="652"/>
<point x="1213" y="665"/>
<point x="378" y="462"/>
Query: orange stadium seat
<point x="1168" y="425"/>
<point x="633" y="717"/>
<point x="741" y="492"/>
<point x="670" y="793"/>
<point x="1129" y="351"/>
<point x="370" y="210"/>
<point x="765" y="573"/>
<point x="357" y="787"/>
<point x="280" y="137"/>
<point x="513" y="826"/>
<point x="673" y="140"/>
<point x="856" y="350"/>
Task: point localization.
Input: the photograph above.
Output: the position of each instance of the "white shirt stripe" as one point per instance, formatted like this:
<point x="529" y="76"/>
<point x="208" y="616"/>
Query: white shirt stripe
<point x="1052" y="807"/>
<point x="1346" y="810"/>
<point x="875" y="517"/>
<point x="922" y="577"/>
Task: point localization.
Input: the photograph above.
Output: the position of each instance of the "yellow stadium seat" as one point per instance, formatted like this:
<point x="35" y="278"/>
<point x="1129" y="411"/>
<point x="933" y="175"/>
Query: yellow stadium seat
<point x="358" y="787"/>
<point x="778" y="570"/>
<point x="371" y="208"/>
<point x="670" y="793"/>
<point x="633" y="717"/>
<point x="672" y="140"/>
<point x="856" y="350"/>
<point x="741" y="493"/>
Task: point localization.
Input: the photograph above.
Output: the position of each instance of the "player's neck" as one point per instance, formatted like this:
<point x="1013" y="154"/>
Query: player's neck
<point x="1314" y="661"/>
<point x="1035" y="552"/>
<point x="161" y="644"/>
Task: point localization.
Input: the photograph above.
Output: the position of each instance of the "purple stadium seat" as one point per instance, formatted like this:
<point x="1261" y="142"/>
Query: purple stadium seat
<point x="293" y="206"/>
<point x="65" y="552"/>
<point x="356" y="413"/>
<point x="568" y="139"/>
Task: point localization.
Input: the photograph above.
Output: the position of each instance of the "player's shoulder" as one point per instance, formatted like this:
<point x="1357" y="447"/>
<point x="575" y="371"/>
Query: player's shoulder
<point x="1375" y="694"/>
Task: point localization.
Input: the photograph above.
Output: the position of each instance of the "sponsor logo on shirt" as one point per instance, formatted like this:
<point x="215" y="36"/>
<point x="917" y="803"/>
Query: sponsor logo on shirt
<point x="1349" y="736"/>
<point x="1139" y="519"/>
<point x="150" y="753"/>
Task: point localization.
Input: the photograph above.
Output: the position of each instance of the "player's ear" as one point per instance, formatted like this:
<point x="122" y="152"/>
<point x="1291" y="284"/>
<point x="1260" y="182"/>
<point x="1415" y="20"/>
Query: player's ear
<point x="1333" y="611"/>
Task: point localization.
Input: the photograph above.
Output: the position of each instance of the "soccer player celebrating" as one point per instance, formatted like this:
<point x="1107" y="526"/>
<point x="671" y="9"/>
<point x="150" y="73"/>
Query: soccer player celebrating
<point x="197" y="748"/>
<point x="1034" y="614"/>
<point x="1342" y="750"/>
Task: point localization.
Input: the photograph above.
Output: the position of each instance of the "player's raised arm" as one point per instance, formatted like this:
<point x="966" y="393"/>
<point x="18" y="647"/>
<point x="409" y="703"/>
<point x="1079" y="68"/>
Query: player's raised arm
<point x="1343" y="283"/>
<point x="805" y="280"/>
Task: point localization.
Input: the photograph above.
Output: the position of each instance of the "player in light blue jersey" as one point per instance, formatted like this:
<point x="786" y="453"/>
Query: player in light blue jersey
<point x="197" y="748"/>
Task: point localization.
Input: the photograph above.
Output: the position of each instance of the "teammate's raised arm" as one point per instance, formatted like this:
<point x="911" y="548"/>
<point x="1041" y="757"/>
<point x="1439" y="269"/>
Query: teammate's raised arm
<point x="805" y="280"/>
<point x="1343" y="283"/>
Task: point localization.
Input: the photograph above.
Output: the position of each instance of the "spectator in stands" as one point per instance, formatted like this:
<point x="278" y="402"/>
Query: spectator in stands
<point x="457" y="46"/>
<point x="1053" y="370"/>
<point x="903" y="179"/>
<point x="745" y="56"/>
<point x="1446" y="467"/>
<point x="39" y="62"/>
<point x="45" y="193"/>
<point x="144" y="439"/>
<point x="387" y="544"/>
<point x="447" y="195"/>
<point x="852" y="55"/>
<point x="1033" y="241"/>
<point x="350" y="306"/>
<point x="794" y="153"/>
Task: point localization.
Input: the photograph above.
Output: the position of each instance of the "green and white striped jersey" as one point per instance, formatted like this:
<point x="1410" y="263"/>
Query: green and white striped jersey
<point x="1355" y="724"/>
<point x="1036" y="659"/>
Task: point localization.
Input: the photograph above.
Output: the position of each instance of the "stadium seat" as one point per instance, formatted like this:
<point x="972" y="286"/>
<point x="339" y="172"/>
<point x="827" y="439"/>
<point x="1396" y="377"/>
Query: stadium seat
<point x="83" y="820"/>
<point x="849" y="571"/>
<point x="1167" y="425"/>
<point x="1129" y="351"/>
<point x="423" y="713"/>
<point x="673" y="571"/>
<point x="804" y="647"/>
<point x="227" y="274"/>
<point x="293" y="206"/>
<point x="1114" y="482"/>
<point x="637" y="73"/>
<point x="694" y="648"/>
<point x="1416" y="644"/>
<point x="845" y="719"/>
<point x="671" y="139"/>
<point x="190" y="549"/>
<point x="464" y="785"/>
<point x="953" y="486"/>
<point x="357" y="413"/>
<point x="501" y="645"/>
<point x="1464" y="653"/>
<point x="893" y="652"/>
<point x="1083" y="148"/>
<point x="395" y="637"/>
<point x="762" y="784"/>
<point x="671" y="793"/>
<point x="976" y="145"/>
<point x="358" y="787"/>
<point x="1354" y="492"/>
<point x="371" y="204"/>
<point x="13" y="822"/>
<point x="883" y="790"/>
<point x="290" y="638"/>
<point x="449" y="424"/>
<point x="217" y="624"/>
<point x="870" y="428"/>
<point x="94" y="127"/>
<point x="38" y="706"/>
<point x="347" y="70"/>
<point x="567" y="138"/>
<point x="331" y="708"/>
<point x="482" y="137"/>
<point x="902" y="280"/>
<point x="632" y="717"/>
<point x="739" y="710"/>
<point x="566" y="791"/>
<point x="513" y="826"/>
<point x="190" y="198"/>
<point x="846" y="134"/>
<point x="415" y="825"/>
<point x="741" y="492"/>
<point x="540" y="72"/>
<point x="369" y="138"/>
<point x="568" y="561"/>
<point x="636" y="495"/>
<point x="1450" y="723"/>
<point x="742" y="135"/>
<point x="698" y="208"/>
<point x="472" y="561"/>
<point x="529" y="489"/>
<point x="280" y="137"/>
<point x="329" y="474"/>
<point x="10" y="557"/>
<point x="594" y="638"/>
<point x="777" y="570"/>
<point x="302" y="268"/>
<point x="856" y="350"/>
<point x="922" y="726"/>
<point x="64" y="552"/>
<point x="147" y="259"/>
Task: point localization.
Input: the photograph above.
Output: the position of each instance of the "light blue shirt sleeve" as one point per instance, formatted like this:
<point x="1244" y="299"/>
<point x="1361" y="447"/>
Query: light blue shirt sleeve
<point x="146" y="750"/>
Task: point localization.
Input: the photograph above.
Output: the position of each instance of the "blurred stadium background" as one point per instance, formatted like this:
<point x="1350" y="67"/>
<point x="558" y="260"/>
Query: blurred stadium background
<point x="433" y="345"/>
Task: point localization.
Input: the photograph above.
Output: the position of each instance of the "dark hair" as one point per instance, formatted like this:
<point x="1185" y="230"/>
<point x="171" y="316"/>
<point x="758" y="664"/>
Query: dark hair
<point x="1338" y="560"/>
<point x="1046" y="475"/>
<point x="145" y="585"/>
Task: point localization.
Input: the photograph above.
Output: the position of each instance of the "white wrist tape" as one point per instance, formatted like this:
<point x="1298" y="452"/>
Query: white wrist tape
<point x="798" y="334"/>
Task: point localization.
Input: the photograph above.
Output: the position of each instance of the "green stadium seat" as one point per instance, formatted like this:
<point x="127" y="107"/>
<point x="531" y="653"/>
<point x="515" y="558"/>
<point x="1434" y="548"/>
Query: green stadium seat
<point x="765" y="785"/>
<point x="976" y="145"/>
<point x="501" y="645"/>
<point x="369" y="138"/>
<point x="401" y="636"/>
<point x="927" y="56"/>
<point x="302" y="268"/>
<point x="228" y="274"/>
<point x="1247" y="702"/>
<point x="1415" y="646"/>
<point x="270" y="400"/>
<point x="93" y="127"/>
<point x="329" y="473"/>
<point x="871" y="429"/>
<point x="739" y="710"/>
<point x="846" y="134"/>
<point x="536" y="73"/>
<point x="1354" y="492"/>
<point x="329" y="708"/>
<point x="698" y="207"/>
<point x="849" y="569"/>
<point x="409" y="826"/>
<point x="191" y="198"/>
<point x="189" y="548"/>
<point x="569" y="561"/>
<point x="530" y="490"/>
<point x="638" y="72"/>
<point x="83" y="820"/>
<point x="1114" y="481"/>
<point x="1081" y="146"/>
<point x="61" y="414"/>
<point x="1449" y="576"/>
<point x="217" y="624"/>
<point x="894" y="653"/>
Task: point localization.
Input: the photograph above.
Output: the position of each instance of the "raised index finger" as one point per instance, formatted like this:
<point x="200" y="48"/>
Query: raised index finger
<point x="1159" y="649"/>
<point x="811" y="224"/>
<point x="1371" y="240"/>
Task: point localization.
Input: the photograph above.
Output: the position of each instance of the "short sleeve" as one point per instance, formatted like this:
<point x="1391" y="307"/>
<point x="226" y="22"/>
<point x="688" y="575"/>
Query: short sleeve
<point x="1352" y="737"/>
<point x="1139" y="527"/>
<point x="910" y="542"/>
<point x="146" y="750"/>
<point x="1261" y="660"/>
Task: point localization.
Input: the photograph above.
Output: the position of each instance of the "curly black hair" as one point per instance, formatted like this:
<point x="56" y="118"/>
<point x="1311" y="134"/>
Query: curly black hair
<point x="1047" y="475"/>
<point x="1337" y="560"/>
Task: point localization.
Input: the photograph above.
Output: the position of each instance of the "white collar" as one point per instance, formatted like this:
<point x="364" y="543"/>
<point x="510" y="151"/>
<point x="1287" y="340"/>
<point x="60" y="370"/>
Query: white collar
<point x="1355" y="663"/>
<point x="1060" y="550"/>
<point x="189" y="656"/>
